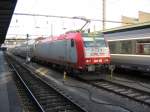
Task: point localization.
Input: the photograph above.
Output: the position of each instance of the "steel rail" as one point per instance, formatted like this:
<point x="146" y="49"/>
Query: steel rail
<point x="71" y="105"/>
<point x="28" y="90"/>
<point x="123" y="90"/>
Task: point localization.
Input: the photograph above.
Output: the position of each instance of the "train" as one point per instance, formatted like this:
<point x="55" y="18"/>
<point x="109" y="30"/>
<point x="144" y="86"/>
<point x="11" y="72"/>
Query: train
<point x="130" y="47"/>
<point x="3" y="47"/>
<point x="74" y="51"/>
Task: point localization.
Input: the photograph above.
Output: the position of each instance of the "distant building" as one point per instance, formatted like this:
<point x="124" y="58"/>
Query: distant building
<point x="128" y="20"/>
<point x="143" y="17"/>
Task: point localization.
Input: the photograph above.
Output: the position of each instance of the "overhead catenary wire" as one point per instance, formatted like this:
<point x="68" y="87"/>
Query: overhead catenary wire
<point x="67" y="17"/>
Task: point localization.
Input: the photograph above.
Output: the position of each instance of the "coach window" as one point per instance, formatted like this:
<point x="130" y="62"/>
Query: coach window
<point x="72" y="43"/>
<point x="112" y="46"/>
<point x="147" y="48"/>
<point x="139" y="48"/>
<point x="126" y="47"/>
<point x="143" y="48"/>
<point x="117" y="47"/>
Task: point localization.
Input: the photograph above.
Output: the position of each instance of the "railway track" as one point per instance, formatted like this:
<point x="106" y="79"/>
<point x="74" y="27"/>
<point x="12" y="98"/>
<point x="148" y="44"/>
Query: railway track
<point x="46" y="98"/>
<point x="129" y="92"/>
<point x="27" y="104"/>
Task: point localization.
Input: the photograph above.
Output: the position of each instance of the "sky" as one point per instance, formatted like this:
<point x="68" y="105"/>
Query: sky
<point x="92" y="9"/>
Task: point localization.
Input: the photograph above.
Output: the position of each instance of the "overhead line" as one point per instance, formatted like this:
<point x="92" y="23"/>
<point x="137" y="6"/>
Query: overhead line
<point x="26" y="34"/>
<point x="54" y="16"/>
<point x="42" y="15"/>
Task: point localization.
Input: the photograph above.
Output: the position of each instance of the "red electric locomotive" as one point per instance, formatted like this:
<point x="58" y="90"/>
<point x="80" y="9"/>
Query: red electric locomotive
<point x="74" y="51"/>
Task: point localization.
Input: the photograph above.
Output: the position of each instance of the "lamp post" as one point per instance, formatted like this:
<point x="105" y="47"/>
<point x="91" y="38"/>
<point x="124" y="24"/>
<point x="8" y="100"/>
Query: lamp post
<point x="27" y="49"/>
<point x="104" y="15"/>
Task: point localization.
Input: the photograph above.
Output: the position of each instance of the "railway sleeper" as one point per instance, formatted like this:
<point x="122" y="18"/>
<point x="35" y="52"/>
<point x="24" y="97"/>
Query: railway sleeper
<point x="101" y="83"/>
<point x="41" y="94"/>
<point x="107" y="86"/>
<point x="48" y="92"/>
<point x="48" y="97"/>
<point x="111" y="87"/>
<point x="144" y="97"/>
<point x="119" y="90"/>
<point x="60" y="108"/>
<point x="126" y="92"/>
<point x="147" y="100"/>
<point x="50" y="101"/>
<point x="36" y="87"/>
<point x="135" y="95"/>
<point x="57" y="100"/>
<point x="57" y="104"/>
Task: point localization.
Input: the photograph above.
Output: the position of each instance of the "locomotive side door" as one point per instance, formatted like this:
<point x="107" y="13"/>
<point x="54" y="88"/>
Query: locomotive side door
<point x="68" y="50"/>
<point x="71" y="51"/>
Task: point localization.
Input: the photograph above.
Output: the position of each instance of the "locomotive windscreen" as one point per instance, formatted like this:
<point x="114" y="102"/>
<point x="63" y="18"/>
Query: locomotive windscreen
<point x="94" y="40"/>
<point x="95" y="47"/>
<point x="91" y="42"/>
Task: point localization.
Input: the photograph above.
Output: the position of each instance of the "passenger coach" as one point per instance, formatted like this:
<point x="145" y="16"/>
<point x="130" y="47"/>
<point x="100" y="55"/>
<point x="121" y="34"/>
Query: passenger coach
<point x="130" y="46"/>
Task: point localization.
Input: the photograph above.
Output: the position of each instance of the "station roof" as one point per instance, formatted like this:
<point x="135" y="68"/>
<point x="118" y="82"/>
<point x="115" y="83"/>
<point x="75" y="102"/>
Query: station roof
<point x="6" y="11"/>
<point x="127" y="28"/>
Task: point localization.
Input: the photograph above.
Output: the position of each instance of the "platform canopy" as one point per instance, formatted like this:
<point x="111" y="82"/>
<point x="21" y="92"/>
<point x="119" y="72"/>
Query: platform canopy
<point x="6" y="11"/>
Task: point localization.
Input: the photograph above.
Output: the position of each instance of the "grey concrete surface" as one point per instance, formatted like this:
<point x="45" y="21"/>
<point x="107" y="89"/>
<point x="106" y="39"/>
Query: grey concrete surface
<point x="9" y="100"/>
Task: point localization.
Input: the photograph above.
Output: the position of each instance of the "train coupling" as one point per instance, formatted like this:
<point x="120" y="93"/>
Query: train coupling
<point x="91" y="68"/>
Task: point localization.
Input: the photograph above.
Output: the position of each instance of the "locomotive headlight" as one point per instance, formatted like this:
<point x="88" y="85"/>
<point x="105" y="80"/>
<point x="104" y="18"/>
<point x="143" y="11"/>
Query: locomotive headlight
<point x="100" y="60"/>
<point x="95" y="60"/>
<point x="87" y="61"/>
<point x="106" y="60"/>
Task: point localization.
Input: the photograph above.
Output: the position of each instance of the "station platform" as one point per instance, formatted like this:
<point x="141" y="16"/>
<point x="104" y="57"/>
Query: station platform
<point x="9" y="99"/>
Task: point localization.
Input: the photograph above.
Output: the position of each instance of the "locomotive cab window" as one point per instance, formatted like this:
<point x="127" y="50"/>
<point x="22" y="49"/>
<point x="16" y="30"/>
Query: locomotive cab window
<point x="72" y="43"/>
<point x="100" y="42"/>
<point x="97" y="42"/>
